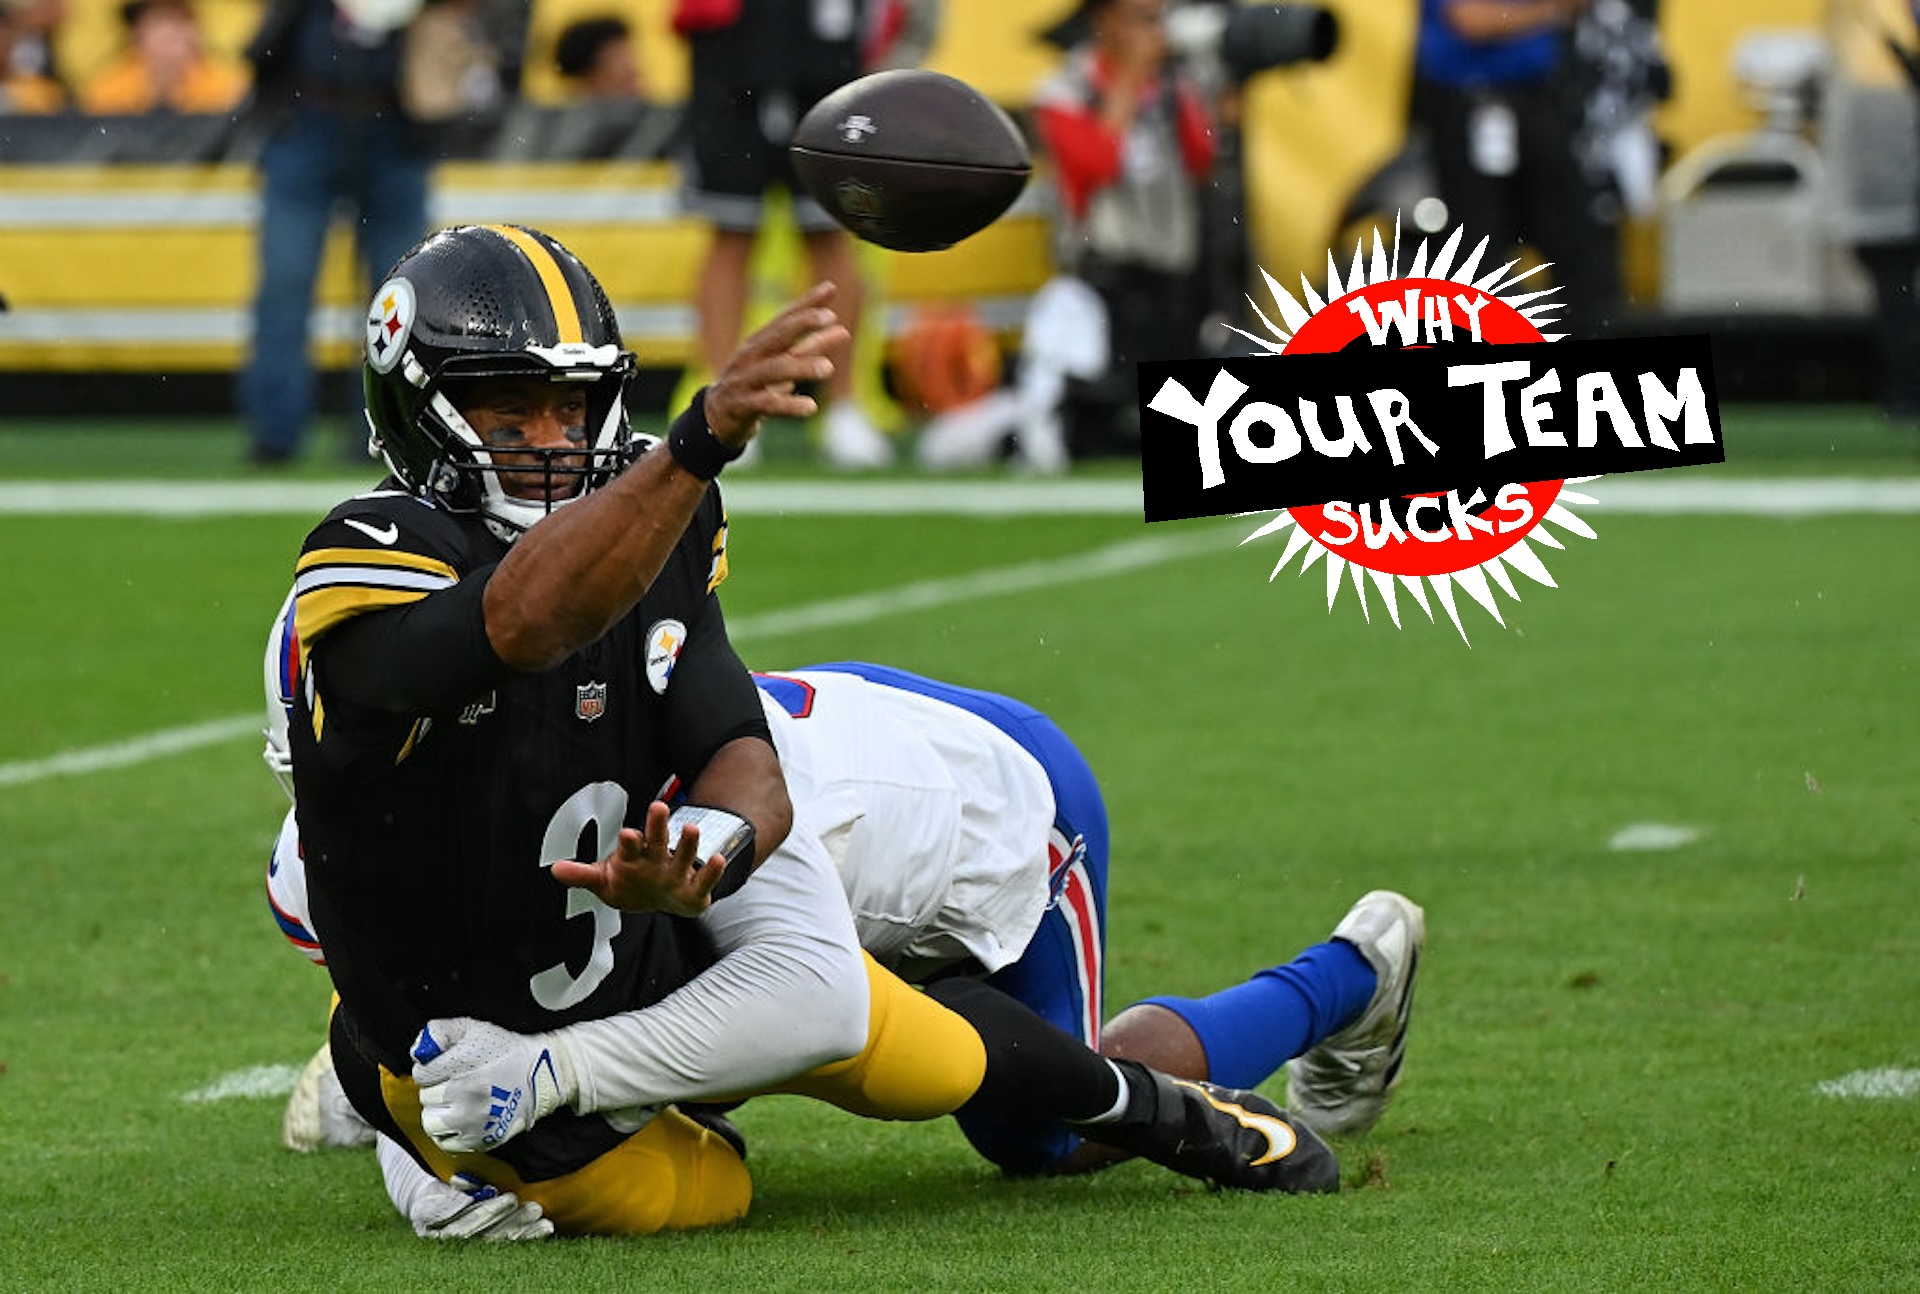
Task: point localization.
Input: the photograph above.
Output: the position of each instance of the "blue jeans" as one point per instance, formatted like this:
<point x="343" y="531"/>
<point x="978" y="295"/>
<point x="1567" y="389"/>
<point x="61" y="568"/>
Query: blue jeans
<point x="316" y="161"/>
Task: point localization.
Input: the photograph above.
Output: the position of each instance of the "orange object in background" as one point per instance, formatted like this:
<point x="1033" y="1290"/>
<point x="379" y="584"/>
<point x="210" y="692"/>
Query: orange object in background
<point x="945" y="358"/>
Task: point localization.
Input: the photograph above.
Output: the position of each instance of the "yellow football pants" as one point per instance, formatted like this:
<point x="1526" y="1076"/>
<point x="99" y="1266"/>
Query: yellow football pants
<point x="921" y="1061"/>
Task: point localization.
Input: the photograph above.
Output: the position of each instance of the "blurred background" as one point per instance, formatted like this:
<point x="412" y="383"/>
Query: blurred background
<point x="1753" y="164"/>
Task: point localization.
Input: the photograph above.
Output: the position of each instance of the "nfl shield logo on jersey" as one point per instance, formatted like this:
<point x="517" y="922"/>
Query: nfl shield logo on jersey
<point x="590" y="701"/>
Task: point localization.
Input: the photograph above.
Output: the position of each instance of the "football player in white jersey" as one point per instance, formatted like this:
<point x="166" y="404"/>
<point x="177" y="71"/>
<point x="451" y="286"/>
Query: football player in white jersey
<point x="969" y="838"/>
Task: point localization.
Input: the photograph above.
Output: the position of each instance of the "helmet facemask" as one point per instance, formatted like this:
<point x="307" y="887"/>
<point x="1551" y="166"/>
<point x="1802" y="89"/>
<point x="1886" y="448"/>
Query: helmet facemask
<point x="514" y="488"/>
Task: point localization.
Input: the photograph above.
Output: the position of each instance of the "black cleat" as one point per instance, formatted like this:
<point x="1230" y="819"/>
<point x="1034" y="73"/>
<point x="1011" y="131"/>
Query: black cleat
<point x="1221" y="1135"/>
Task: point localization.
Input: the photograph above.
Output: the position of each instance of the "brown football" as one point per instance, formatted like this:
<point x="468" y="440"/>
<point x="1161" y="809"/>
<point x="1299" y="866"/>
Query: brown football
<point x="911" y="160"/>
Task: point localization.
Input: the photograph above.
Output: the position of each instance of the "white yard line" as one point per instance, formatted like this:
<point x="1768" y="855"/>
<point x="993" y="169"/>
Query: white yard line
<point x="136" y="750"/>
<point x="1885" y="1084"/>
<point x="1638" y="837"/>
<point x="252" y="1083"/>
<point x="1129" y="555"/>
<point x="1650" y="493"/>
<point x="744" y="497"/>
<point x="1675" y="494"/>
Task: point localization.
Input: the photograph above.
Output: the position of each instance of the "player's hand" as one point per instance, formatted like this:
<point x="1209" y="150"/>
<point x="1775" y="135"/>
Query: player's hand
<point x="641" y="874"/>
<point x="481" y="1085"/>
<point x="469" y="1209"/>
<point x="758" y="379"/>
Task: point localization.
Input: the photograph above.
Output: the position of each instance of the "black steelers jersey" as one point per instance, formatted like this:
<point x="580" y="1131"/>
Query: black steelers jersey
<point x="435" y="784"/>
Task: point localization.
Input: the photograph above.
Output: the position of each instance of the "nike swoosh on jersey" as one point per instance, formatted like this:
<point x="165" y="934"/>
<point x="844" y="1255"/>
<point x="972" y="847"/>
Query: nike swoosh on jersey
<point x="377" y="535"/>
<point x="1280" y="1138"/>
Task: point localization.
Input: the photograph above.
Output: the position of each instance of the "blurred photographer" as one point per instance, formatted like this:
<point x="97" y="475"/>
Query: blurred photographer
<point x="1131" y="140"/>
<point x="1140" y="125"/>
<point x="1133" y="126"/>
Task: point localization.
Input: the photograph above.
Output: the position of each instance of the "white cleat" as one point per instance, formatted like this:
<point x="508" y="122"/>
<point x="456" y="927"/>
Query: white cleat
<point x="850" y="443"/>
<point x="318" y="1113"/>
<point x="1342" y="1086"/>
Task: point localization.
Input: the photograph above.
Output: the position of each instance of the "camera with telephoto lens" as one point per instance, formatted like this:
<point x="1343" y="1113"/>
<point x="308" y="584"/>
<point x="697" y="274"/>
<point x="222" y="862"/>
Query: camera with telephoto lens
<point x="1244" y="39"/>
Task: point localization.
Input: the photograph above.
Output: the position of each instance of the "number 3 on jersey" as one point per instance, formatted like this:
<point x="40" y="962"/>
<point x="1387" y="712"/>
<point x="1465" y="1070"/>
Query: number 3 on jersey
<point x="604" y="806"/>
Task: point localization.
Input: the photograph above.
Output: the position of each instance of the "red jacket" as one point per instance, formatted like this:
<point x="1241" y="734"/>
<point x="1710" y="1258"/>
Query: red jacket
<point x="1087" y="153"/>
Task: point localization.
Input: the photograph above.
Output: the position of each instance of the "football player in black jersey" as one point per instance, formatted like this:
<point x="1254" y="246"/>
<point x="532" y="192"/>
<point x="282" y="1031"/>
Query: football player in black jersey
<point x="500" y="652"/>
<point x="480" y="694"/>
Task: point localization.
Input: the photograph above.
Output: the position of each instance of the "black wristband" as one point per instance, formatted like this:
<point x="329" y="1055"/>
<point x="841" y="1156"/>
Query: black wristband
<point x="693" y="444"/>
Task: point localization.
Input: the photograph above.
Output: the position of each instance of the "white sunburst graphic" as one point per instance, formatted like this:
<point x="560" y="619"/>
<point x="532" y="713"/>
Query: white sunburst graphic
<point x="1318" y="326"/>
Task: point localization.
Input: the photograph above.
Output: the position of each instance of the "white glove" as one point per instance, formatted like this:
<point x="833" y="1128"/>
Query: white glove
<point x="481" y="1085"/>
<point x="465" y="1209"/>
<point x="481" y="1213"/>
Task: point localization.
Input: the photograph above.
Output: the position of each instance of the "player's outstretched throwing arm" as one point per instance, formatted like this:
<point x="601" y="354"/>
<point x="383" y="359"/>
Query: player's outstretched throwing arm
<point x="568" y="580"/>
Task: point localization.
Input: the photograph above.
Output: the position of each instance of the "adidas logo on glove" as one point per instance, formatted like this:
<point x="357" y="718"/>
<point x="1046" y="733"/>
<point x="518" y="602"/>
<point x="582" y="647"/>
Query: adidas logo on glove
<point x="500" y="1115"/>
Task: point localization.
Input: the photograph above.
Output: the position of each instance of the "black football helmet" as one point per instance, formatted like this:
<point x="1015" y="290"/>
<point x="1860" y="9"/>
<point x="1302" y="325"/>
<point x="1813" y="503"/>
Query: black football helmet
<point x="482" y="301"/>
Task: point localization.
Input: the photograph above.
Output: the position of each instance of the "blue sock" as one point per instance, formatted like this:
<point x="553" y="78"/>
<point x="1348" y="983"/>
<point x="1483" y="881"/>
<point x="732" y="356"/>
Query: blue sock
<point x="1250" y="1030"/>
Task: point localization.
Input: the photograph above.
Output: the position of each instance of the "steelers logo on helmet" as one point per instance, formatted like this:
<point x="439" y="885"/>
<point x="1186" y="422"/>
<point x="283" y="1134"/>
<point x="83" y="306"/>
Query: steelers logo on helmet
<point x="389" y="321"/>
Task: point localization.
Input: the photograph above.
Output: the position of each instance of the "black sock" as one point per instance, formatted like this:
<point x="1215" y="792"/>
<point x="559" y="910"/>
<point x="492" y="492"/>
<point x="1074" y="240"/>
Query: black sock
<point x="1034" y="1069"/>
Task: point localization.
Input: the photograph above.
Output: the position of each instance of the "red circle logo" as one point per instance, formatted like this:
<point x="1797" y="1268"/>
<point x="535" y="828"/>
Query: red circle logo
<point x="1422" y="534"/>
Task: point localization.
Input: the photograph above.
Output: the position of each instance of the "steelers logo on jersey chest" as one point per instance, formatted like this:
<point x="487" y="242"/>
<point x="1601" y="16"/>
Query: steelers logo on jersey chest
<point x="664" y="641"/>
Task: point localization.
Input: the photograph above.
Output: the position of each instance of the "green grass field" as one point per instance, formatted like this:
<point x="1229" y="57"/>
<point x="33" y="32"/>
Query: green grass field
<point x="1614" y="1075"/>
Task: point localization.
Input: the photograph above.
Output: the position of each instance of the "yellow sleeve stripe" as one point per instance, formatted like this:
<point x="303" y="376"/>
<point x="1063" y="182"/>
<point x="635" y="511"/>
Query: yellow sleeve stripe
<point x="320" y="610"/>
<point x="373" y="557"/>
<point x="717" y="574"/>
<point x="331" y="584"/>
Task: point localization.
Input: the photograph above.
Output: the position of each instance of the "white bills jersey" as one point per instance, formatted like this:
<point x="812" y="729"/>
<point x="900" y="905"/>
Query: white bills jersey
<point x="937" y="821"/>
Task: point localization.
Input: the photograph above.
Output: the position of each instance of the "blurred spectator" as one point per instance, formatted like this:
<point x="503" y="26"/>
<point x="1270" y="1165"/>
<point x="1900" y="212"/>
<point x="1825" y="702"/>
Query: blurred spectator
<point x="899" y="33"/>
<point x="757" y="66"/>
<point x="1131" y="140"/>
<point x="165" y="67"/>
<point x="1488" y="87"/>
<point x="1132" y="144"/>
<point x="1618" y="72"/>
<point x="35" y="24"/>
<point x="451" y="67"/>
<point x="598" y="59"/>
<point x="27" y="81"/>
<point x="330" y="77"/>
<point x="1893" y="265"/>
